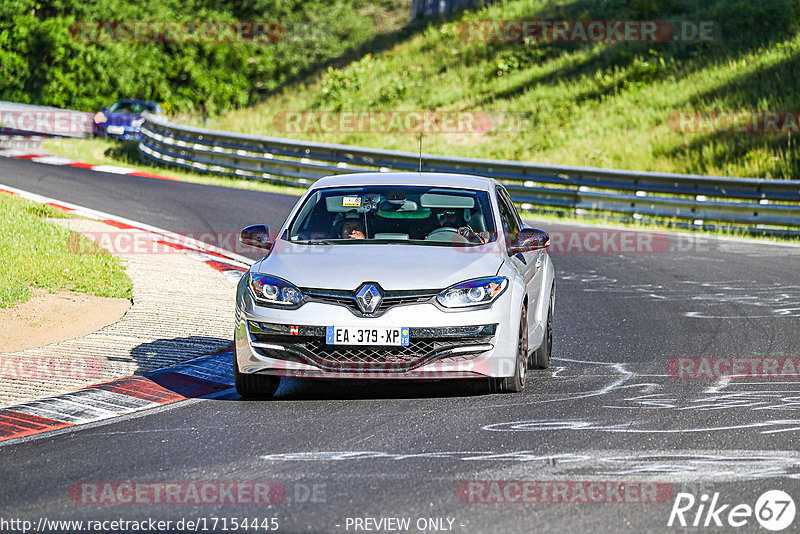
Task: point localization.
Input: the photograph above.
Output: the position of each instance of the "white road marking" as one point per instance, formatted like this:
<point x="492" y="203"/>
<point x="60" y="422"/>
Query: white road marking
<point x="112" y="169"/>
<point x="53" y="160"/>
<point x="685" y="465"/>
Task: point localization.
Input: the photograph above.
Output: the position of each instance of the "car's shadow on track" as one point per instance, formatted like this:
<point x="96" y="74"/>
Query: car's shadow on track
<point x="212" y="374"/>
<point x="168" y="352"/>
<point x="295" y="389"/>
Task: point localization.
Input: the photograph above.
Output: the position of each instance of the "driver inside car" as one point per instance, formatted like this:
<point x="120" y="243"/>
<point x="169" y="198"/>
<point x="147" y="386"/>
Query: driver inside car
<point x="454" y="219"/>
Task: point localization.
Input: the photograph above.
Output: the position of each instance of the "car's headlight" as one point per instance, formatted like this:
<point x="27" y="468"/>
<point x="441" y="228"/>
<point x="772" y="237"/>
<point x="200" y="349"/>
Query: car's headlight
<point x="273" y="290"/>
<point x="474" y="292"/>
<point x="136" y="123"/>
<point x="100" y="117"/>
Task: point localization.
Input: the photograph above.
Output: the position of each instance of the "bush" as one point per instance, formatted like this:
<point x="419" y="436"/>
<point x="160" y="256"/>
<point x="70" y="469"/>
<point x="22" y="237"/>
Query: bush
<point x="42" y="63"/>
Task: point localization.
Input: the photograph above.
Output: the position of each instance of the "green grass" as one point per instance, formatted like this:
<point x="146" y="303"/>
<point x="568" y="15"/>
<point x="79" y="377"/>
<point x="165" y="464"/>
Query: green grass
<point x="593" y="104"/>
<point x="36" y="253"/>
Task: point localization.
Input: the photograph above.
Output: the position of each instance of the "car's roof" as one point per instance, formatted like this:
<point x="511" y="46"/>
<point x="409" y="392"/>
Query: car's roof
<point x="436" y="179"/>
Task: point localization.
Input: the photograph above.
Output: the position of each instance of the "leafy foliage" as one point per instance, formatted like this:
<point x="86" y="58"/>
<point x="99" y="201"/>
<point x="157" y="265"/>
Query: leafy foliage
<point x="44" y="63"/>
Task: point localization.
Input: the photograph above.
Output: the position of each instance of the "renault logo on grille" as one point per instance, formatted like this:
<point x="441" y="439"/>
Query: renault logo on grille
<point x="369" y="298"/>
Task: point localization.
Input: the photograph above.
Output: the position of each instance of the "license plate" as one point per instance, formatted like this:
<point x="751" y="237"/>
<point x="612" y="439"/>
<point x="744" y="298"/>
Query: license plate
<point x="353" y="335"/>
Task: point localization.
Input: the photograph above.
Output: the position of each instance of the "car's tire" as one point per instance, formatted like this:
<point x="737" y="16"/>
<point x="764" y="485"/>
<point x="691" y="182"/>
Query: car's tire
<point x="253" y="385"/>
<point x="516" y="383"/>
<point x="540" y="359"/>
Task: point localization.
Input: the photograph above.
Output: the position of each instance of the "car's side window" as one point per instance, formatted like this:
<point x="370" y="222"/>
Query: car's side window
<point x="513" y="210"/>
<point x="508" y="218"/>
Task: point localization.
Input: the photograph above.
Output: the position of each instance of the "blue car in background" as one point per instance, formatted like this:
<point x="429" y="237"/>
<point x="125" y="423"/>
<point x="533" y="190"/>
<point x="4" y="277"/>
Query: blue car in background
<point x="124" y="119"/>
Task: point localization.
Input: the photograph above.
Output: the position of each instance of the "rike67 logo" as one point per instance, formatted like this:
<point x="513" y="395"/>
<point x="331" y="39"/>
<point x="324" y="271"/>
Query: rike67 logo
<point x="774" y="510"/>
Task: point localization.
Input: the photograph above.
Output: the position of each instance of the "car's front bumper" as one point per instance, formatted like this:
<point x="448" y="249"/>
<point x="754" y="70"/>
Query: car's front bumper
<point x="443" y="344"/>
<point x="116" y="131"/>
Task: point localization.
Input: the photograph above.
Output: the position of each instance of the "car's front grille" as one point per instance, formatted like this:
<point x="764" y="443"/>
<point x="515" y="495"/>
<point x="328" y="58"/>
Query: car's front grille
<point x="400" y="298"/>
<point x="348" y="299"/>
<point x="422" y="349"/>
<point x="349" y="357"/>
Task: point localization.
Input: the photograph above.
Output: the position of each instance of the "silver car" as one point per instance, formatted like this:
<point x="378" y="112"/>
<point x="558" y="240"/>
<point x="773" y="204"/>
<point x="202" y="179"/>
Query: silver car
<point x="396" y="276"/>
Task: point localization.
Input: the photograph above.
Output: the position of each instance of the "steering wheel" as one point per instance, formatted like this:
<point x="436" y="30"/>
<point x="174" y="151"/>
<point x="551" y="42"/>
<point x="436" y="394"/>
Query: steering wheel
<point x="442" y="230"/>
<point x="447" y="234"/>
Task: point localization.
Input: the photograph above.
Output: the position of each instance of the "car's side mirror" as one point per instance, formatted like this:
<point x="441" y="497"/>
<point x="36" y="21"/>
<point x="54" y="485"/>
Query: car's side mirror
<point x="105" y="109"/>
<point x="256" y="236"/>
<point x="530" y="239"/>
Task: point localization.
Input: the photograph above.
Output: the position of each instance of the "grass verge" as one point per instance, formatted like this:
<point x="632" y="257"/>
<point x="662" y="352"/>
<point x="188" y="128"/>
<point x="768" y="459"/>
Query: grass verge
<point x="36" y="253"/>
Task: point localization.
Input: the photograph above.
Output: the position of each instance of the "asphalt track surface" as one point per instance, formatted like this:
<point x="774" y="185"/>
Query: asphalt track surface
<point x="607" y="410"/>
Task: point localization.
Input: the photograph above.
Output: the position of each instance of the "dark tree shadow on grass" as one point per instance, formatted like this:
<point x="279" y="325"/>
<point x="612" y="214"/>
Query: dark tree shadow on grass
<point x="772" y="89"/>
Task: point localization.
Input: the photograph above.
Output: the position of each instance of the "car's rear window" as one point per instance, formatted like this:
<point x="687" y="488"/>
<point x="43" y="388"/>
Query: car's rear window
<point x="395" y="214"/>
<point x="133" y="108"/>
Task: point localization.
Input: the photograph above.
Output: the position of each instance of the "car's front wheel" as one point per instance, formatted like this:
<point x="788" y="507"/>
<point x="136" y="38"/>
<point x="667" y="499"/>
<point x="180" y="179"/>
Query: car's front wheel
<point x="253" y="385"/>
<point x="541" y="356"/>
<point x="516" y="383"/>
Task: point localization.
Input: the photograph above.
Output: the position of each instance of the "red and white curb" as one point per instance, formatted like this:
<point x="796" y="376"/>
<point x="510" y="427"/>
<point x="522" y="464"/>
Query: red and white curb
<point x="229" y="263"/>
<point x="47" y="159"/>
<point x="196" y="378"/>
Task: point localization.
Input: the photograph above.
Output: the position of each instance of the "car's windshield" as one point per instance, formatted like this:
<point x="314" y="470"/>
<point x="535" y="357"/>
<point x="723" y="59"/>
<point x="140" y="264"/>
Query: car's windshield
<point x="133" y="108"/>
<point x="394" y="214"/>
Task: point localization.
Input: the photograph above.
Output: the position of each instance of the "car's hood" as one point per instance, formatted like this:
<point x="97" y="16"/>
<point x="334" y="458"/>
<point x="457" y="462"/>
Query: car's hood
<point x="393" y="266"/>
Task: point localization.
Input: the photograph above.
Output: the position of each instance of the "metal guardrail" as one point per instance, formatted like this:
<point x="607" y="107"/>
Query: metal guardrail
<point x="751" y="201"/>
